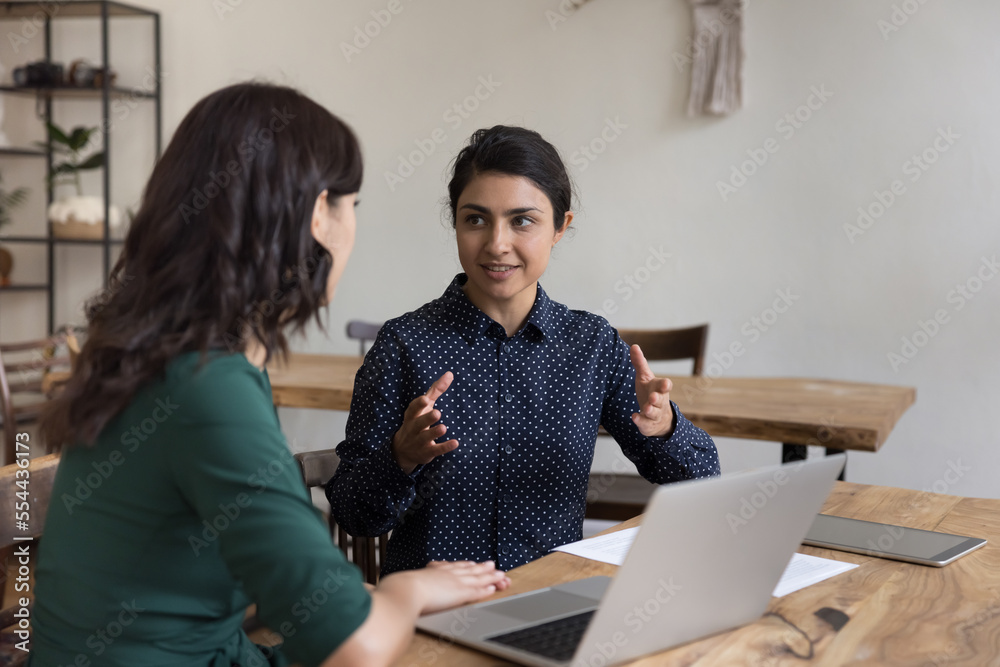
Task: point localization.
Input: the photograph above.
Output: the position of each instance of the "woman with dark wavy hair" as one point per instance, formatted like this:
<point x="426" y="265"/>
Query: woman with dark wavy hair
<point x="177" y="502"/>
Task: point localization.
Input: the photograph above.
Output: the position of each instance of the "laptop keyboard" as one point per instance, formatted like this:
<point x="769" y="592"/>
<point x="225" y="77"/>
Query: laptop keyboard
<point x="556" y="640"/>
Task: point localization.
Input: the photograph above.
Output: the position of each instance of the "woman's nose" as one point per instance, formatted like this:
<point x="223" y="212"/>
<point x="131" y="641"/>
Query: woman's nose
<point x="499" y="241"/>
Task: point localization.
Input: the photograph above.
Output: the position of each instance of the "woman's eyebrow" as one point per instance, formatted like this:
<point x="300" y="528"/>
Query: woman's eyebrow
<point x="509" y="212"/>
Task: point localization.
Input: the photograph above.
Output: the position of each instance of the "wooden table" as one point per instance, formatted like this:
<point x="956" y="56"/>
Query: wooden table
<point x="832" y="413"/>
<point x="899" y="613"/>
<point x="841" y="415"/>
<point x="321" y="381"/>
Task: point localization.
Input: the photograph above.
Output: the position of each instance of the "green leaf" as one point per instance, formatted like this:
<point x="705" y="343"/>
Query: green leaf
<point x="93" y="162"/>
<point x="63" y="168"/>
<point x="17" y="197"/>
<point x="56" y="134"/>
<point x="80" y="137"/>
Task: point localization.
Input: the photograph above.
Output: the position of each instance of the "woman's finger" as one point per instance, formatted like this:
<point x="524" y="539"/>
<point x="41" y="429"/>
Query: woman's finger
<point x="440" y="386"/>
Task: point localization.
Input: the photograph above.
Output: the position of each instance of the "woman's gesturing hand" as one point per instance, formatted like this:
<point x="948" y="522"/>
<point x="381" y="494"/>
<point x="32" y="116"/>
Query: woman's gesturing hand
<point x="655" y="417"/>
<point x="413" y="443"/>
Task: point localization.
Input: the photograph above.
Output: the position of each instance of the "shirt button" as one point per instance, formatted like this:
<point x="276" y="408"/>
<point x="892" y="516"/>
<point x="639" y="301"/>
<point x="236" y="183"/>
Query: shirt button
<point x="505" y="550"/>
<point x="508" y="449"/>
<point x="506" y="347"/>
<point x="509" y="397"/>
<point x="506" y="497"/>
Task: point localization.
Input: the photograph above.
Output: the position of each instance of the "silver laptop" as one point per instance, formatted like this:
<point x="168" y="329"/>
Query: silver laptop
<point x="706" y="559"/>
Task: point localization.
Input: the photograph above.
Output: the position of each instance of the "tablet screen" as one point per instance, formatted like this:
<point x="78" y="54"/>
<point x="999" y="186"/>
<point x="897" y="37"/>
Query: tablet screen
<point x="868" y="536"/>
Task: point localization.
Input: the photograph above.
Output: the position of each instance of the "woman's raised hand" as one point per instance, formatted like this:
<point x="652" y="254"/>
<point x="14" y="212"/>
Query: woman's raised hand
<point x="655" y="417"/>
<point x="413" y="443"/>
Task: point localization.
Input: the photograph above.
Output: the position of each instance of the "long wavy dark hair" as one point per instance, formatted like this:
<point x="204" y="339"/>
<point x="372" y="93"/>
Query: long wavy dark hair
<point x="220" y="252"/>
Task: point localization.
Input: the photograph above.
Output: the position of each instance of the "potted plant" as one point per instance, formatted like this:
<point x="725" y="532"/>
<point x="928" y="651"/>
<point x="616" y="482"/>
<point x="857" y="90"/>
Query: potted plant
<point x="79" y="216"/>
<point x="8" y="201"/>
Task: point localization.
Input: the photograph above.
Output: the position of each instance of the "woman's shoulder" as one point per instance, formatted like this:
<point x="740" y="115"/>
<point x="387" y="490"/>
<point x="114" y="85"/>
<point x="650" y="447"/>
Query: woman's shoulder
<point x="430" y="317"/>
<point x="584" y="321"/>
<point x="216" y="379"/>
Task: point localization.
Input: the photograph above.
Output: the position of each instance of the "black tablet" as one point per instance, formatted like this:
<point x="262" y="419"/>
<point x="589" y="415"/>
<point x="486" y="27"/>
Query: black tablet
<point x="886" y="541"/>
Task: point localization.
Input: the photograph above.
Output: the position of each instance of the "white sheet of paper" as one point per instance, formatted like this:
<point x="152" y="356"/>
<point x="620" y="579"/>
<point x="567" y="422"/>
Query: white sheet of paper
<point x="802" y="570"/>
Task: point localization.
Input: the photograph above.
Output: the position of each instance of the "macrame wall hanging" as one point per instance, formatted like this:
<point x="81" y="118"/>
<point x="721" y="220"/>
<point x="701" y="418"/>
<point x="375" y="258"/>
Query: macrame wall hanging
<point x="717" y="69"/>
<point x="717" y="63"/>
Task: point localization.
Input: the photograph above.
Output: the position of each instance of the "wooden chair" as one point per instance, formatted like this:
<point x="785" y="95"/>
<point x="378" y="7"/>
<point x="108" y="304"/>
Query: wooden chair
<point x="618" y="497"/>
<point x="23" y="387"/>
<point x="368" y="553"/>
<point x="41" y="475"/>
<point x="363" y="332"/>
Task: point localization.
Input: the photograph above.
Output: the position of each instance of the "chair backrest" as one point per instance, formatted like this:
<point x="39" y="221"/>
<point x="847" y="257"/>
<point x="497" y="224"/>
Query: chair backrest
<point x="368" y="553"/>
<point x="363" y="332"/>
<point x="670" y="344"/>
<point x="23" y="367"/>
<point x="36" y="479"/>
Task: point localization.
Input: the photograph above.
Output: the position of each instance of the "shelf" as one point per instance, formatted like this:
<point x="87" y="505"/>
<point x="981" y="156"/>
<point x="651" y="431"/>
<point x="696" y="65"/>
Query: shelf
<point x="17" y="10"/>
<point x="28" y="152"/>
<point x="49" y="101"/>
<point x="46" y="239"/>
<point x="77" y="92"/>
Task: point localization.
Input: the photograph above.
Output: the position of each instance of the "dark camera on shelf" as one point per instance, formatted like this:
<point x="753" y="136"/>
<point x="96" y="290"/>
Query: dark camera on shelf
<point x="39" y="73"/>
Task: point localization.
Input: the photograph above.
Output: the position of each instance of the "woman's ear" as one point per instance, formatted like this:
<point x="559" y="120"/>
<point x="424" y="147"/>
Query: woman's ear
<point x="566" y="223"/>
<point x="320" y="218"/>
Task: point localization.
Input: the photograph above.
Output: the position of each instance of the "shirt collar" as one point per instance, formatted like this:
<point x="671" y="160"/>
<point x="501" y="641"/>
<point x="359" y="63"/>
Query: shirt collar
<point x="473" y="323"/>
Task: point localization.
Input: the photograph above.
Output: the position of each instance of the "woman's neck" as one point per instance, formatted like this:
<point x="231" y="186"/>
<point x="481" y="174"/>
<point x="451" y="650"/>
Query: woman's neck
<point x="255" y="353"/>
<point x="511" y="313"/>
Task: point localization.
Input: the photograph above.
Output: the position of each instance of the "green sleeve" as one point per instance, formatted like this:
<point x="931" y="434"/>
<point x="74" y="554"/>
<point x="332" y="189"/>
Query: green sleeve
<point x="238" y="474"/>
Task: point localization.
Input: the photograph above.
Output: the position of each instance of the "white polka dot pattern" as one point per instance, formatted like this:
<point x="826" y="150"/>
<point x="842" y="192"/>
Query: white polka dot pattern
<point x="525" y="411"/>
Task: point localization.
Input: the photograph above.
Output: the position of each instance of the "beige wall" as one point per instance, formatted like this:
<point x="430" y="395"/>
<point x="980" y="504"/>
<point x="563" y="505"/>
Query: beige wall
<point x="607" y="75"/>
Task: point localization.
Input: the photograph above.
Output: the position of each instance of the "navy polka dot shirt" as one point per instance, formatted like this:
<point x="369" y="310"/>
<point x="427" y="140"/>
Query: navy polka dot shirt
<point x="525" y="411"/>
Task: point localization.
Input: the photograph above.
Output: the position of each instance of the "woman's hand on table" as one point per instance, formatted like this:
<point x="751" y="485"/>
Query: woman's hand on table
<point x="655" y="417"/>
<point x="402" y="596"/>
<point x="413" y="444"/>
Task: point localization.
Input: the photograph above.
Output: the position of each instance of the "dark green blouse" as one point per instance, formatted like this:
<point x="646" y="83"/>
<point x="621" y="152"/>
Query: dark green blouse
<point x="189" y="507"/>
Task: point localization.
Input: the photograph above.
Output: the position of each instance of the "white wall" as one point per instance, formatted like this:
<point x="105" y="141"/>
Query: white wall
<point x="656" y="183"/>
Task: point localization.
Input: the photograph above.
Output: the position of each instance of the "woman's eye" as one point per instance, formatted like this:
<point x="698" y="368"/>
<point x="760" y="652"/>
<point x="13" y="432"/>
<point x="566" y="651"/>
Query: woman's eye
<point x="475" y="220"/>
<point x="522" y="221"/>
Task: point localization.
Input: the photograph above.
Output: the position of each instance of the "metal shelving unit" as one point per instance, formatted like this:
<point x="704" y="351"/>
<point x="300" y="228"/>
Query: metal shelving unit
<point x="104" y="10"/>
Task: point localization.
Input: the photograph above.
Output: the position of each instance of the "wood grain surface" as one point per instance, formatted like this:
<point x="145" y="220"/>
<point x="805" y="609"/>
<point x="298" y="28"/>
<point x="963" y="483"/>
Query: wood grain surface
<point x="844" y="415"/>
<point x="898" y="613"/>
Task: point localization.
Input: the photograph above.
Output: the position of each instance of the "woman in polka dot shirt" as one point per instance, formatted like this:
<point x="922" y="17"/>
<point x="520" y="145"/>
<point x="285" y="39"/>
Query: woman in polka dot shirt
<point x="474" y="417"/>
